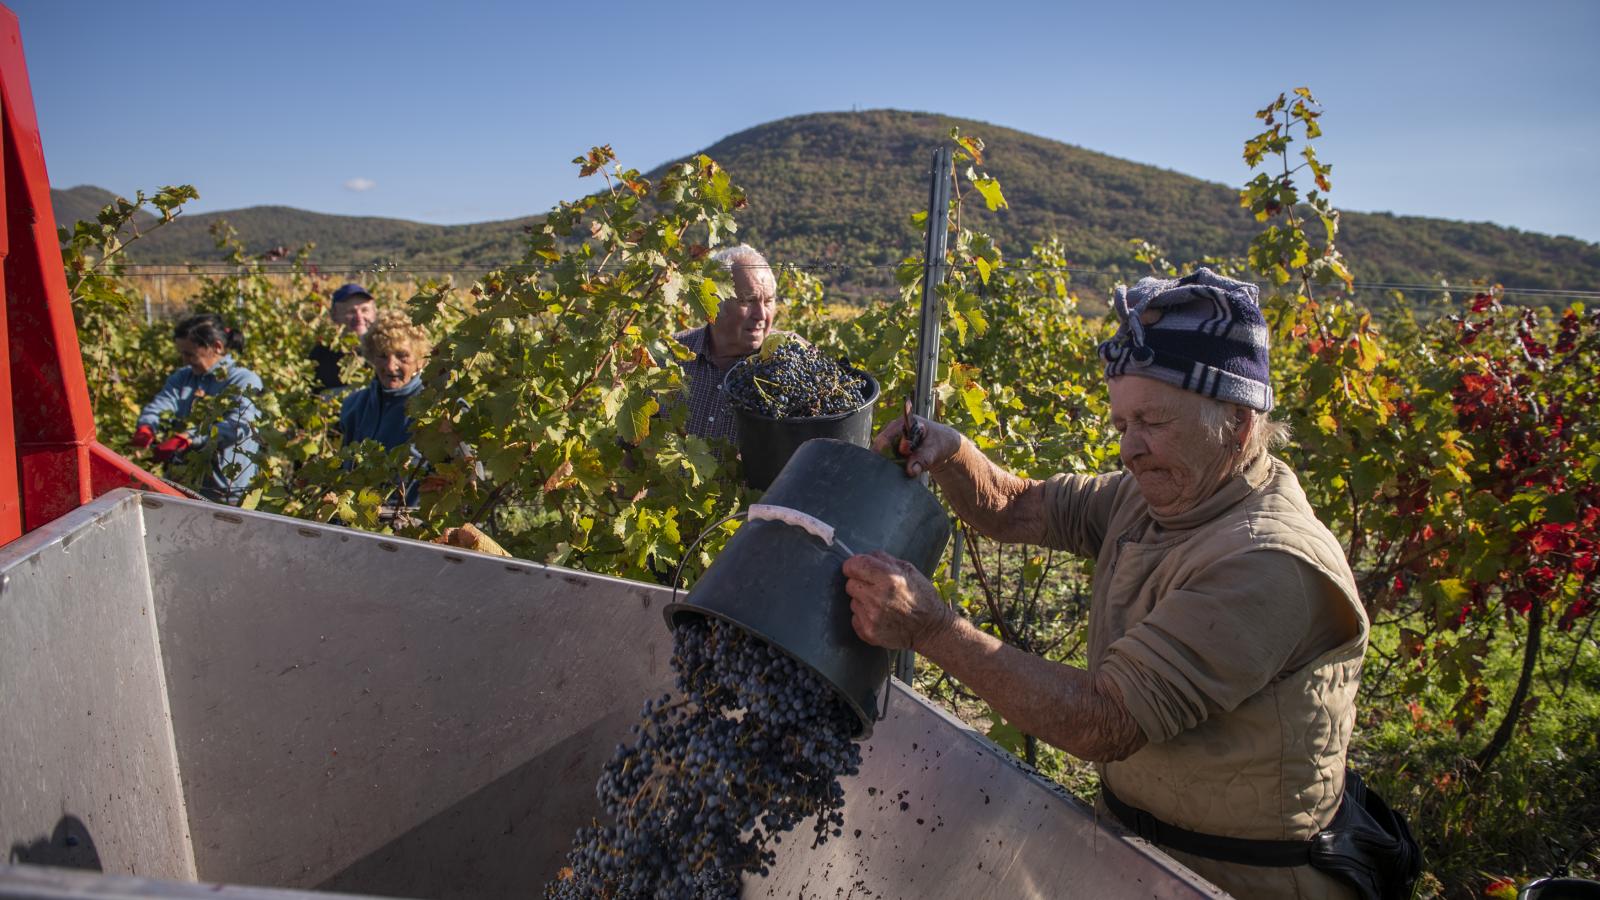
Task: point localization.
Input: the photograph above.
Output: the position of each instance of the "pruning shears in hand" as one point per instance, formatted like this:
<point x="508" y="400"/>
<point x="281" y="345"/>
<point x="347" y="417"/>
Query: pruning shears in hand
<point x="911" y="431"/>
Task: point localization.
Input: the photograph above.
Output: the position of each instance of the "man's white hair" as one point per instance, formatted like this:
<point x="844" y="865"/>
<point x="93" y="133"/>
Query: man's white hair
<point x="745" y="255"/>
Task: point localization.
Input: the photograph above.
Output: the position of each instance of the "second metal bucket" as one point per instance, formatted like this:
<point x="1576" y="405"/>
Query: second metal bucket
<point x="785" y="585"/>
<point x="765" y="444"/>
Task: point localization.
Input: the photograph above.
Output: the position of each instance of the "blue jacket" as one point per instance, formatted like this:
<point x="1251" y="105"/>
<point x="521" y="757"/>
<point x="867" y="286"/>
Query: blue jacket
<point x="374" y="413"/>
<point x="233" y="465"/>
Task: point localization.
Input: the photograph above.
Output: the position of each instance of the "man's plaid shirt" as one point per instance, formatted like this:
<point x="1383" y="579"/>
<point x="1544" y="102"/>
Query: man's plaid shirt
<point x="710" y="414"/>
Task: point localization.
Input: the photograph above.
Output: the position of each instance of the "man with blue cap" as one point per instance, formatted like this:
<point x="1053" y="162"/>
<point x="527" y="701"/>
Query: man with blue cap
<point x="353" y="310"/>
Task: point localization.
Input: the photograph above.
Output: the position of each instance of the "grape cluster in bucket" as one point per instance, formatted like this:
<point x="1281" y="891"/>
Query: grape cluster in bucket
<point x="791" y="379"/>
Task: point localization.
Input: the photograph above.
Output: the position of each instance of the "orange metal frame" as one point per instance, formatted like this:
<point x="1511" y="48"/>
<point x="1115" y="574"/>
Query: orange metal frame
<point x="50" y="462"/>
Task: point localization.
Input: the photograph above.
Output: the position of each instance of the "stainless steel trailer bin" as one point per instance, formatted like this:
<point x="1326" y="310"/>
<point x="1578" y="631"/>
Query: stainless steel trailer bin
<point x="190" y="692"/>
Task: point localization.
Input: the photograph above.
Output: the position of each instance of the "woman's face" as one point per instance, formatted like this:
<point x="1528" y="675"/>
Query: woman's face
<point x="395" y="365"/>
<point x="199" y="357"/>
<point x="1177" y="460"/>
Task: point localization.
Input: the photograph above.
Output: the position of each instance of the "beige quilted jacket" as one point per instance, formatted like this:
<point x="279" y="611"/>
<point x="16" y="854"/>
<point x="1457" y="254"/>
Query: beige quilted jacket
<point x="1236" y="636"/>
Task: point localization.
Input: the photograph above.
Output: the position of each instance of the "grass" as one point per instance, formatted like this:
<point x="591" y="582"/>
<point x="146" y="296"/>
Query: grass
<point x="1536" y="808"/>
<point x="1534" y="812"/>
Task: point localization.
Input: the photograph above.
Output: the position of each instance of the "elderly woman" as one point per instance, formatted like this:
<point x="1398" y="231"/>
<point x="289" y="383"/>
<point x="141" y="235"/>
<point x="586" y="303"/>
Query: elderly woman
<point x="206" y="345"/>
<point x="1226" y="636"/>
<point x="397" y="351"/>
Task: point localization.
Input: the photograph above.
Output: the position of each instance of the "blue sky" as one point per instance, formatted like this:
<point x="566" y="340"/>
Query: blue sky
<point x="471" y="111"/>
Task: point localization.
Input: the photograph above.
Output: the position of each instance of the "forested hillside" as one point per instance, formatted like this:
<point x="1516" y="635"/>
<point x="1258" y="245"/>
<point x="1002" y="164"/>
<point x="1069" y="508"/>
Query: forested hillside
<point x="836" y="188"/>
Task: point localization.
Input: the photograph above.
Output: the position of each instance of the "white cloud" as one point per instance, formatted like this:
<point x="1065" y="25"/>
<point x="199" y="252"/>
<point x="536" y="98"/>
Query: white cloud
<point x="360" y="184"/>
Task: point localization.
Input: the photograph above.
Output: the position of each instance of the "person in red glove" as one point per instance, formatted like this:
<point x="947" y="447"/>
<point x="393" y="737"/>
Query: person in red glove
<point x="206" y="344"/>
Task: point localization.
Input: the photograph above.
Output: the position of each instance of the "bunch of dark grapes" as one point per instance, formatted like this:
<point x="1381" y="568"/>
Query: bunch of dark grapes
<point x="794" y="380"/>
<point x="754" y="744"/>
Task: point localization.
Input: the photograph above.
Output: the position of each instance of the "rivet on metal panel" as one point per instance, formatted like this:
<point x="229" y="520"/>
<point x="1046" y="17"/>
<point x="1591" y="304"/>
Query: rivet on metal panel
<point x="230" y="518"/>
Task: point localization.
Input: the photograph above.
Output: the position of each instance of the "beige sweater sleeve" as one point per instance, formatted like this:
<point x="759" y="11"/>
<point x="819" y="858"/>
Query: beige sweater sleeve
<point x="1077" y="511"/>
<point x="1225" y="635"/>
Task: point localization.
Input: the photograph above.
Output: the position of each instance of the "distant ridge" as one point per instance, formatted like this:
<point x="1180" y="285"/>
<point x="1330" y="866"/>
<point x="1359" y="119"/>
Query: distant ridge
<point x="838" y="188"/>
<point x="84" y="202"/>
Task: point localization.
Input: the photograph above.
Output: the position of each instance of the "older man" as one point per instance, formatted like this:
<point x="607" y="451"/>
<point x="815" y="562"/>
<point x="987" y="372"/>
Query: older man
<point x="1225" y="636"/>
<point x="353" y="310"/>
<point x="742" y="322"/>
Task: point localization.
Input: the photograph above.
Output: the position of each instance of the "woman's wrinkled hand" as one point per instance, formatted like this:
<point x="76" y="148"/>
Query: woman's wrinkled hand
<point x="939" y="443"/>
<point x="891" y="603"/>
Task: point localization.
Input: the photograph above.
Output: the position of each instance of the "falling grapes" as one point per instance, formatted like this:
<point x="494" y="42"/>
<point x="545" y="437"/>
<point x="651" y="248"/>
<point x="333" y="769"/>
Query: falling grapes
<point x="791" y="379"/>
<point x="754" y="744"/>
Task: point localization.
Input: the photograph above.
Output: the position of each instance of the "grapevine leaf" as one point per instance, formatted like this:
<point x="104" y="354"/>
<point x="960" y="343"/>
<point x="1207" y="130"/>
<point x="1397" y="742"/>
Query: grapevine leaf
<point x="974" y="146"/>
<point x="973" y="397"/>
<point x="503" y="463"/>
<point x="1005" y="734"/>
<point x="672" y="287"/>
<point x="710" y="298"/>
<point x="990" y="189"/>
<point x="633" y="424"/>
<point x="720" y="190"/>
<point x="611" y="402"/>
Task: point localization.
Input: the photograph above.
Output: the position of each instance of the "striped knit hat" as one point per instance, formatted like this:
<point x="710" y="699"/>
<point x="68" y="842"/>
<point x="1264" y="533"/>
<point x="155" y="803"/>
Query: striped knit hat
<point x="1210" y="337"/>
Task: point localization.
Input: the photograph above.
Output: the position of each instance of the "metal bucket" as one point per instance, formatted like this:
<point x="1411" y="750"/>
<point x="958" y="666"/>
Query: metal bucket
<point x="765" y="443"/>
<point x="785" y="585"/>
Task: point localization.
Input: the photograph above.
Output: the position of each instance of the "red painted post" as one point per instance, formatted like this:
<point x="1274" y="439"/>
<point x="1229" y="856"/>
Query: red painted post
<point x="10" y="485"/>
<point x="50" y="401"/>
<point x="50" y="462"/>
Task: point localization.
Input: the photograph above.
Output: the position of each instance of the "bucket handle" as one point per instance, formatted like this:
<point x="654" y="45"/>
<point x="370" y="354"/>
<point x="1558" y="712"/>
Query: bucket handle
<point x="771" y="512"/>
<point x="767" y="512"/>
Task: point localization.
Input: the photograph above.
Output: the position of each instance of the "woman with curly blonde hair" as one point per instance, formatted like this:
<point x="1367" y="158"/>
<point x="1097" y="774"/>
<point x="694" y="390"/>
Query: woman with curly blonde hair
<point x="397" y="351"/>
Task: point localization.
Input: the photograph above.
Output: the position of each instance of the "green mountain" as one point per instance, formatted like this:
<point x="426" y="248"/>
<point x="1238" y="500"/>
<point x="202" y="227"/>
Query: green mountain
<point x="837" y="189"/>
<point x="358" y="241"/>
<point x="84" y="202"/>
